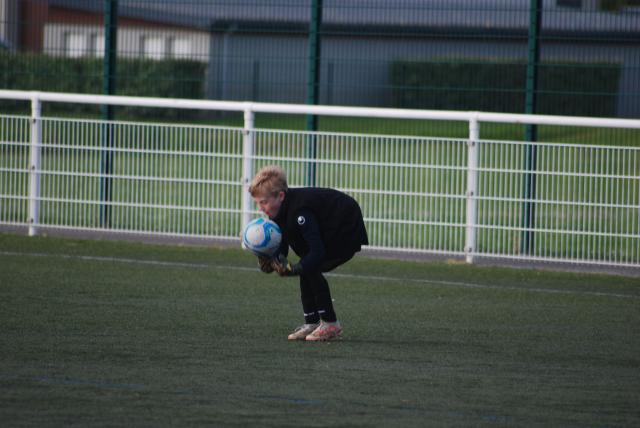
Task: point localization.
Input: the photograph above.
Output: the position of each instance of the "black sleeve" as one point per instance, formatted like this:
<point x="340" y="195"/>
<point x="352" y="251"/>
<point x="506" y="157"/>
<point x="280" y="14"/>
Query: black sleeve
<point x="284" y="247"/>
<point x="310" y="231"/>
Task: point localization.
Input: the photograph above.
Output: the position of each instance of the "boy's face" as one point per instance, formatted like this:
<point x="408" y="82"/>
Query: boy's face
<point x="269" y="204"/>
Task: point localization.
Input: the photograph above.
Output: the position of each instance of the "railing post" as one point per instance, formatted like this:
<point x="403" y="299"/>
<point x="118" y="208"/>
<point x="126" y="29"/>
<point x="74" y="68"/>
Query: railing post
<point x="472" y="188"/>
<point x="34" y="166"/>
<point x="247" y="166"/>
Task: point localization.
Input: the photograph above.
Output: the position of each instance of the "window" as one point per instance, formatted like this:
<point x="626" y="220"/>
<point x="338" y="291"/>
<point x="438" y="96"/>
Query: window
<point x="97" y="45"/>
<point x="180" y="48"/>
<point x="75" y="45"/>
<point x="153" y="47"/>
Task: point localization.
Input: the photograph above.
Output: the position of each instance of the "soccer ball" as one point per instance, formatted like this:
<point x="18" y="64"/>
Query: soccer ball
<point x="262" y="237"/>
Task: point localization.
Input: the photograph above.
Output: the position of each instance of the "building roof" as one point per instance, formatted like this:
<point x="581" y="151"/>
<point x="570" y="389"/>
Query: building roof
<point x="489" y="15"/>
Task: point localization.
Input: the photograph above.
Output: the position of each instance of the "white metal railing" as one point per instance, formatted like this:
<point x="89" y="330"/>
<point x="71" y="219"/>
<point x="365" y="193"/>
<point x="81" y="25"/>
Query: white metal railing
<point x="419" y="194"/>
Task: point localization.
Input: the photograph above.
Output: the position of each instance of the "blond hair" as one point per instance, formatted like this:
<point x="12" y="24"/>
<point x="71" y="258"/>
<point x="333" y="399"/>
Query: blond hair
<point x="270" y="180"/>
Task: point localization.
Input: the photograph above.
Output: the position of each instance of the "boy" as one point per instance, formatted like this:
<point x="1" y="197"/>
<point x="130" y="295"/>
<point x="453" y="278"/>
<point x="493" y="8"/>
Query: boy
<point x="324" y="227"/>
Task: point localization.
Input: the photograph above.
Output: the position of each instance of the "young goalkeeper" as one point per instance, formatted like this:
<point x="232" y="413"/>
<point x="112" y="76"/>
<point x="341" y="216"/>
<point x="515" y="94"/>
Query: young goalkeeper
<point x="324" y="227"/>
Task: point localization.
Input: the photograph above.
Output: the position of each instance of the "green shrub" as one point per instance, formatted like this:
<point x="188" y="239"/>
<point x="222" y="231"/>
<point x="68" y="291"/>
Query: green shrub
<point x="585" y="89"/>
<point x="136" y="77"/>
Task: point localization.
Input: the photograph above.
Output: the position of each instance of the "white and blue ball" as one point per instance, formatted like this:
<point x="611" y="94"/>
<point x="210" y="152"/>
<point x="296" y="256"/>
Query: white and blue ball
<point x="262" y="237"/>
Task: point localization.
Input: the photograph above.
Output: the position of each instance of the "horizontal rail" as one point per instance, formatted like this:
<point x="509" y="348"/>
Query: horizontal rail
<point x="303" y="109"/>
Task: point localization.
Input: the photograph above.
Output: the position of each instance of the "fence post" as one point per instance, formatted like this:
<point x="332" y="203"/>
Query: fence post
<point x="109" y="88"/>
<point x="313" y="84"/>
<point x="472" y="188"/>
<point x="34" y="166"/>
<point x="247" y="166"/>
<point x="531" y="130"/>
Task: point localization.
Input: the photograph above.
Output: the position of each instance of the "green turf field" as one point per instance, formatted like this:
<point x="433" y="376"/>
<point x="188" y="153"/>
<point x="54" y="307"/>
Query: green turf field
<point x="100" y="333"/>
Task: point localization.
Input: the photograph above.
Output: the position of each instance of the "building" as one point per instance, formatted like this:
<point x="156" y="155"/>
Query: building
<point x="259" y="51"/>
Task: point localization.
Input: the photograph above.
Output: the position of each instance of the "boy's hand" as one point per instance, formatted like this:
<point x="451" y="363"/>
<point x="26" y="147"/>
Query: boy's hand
<point x="283" y="267"/>
<point x="266" y="265"/>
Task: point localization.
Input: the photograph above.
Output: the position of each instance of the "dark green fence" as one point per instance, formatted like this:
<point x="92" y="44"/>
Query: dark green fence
<point x="457" y="54"/>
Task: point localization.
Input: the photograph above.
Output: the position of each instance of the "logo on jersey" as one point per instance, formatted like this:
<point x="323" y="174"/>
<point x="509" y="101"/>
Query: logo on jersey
<point x="301" y="220"/>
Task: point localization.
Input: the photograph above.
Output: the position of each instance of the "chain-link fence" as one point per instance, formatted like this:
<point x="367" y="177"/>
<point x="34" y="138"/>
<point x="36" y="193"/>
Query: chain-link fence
<point x="569" y="57"/>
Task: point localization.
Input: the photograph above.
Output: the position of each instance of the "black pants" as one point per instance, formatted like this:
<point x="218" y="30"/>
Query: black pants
<point x="315" y="294"/>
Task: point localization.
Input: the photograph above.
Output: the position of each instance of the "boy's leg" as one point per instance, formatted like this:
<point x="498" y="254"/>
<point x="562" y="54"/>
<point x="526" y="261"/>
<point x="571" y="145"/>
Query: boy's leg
<point x="315" y="284"/>
<point x="311" y="315"/>
<point x="317" y="304"/>
<point x="329" y="327"/>
<point x="315" y="290"/>
<point x="307" y="296"/>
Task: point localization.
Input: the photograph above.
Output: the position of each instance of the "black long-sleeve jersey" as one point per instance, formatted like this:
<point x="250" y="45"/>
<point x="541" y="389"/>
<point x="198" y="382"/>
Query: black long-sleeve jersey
<point x="320" y="224"/>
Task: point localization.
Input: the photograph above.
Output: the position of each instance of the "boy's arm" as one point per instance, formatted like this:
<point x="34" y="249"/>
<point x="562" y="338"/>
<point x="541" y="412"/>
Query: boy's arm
<point x="284" y="247"/>
<point x="310" y="231"/>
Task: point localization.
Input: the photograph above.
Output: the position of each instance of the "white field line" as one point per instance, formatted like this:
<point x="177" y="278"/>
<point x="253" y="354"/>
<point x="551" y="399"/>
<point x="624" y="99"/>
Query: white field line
<point x="335" y="275"/>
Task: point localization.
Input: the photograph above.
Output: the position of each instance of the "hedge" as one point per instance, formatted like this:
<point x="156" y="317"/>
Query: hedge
<point x="585" y="89"/>
<point x="136" y="77"/>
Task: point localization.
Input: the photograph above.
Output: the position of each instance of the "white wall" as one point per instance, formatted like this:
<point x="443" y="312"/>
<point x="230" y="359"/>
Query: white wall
<point x="86" y="40"/>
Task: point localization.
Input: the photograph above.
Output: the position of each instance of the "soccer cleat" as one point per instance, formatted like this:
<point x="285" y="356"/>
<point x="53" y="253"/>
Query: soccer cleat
<point x="326" y="331"/>
<point x="303" y="331"/>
